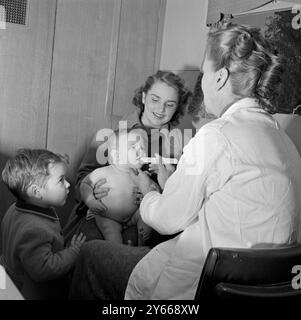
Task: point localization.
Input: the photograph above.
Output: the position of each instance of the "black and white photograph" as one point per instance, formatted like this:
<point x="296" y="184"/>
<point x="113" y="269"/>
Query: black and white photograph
<point x="150" y="156"/>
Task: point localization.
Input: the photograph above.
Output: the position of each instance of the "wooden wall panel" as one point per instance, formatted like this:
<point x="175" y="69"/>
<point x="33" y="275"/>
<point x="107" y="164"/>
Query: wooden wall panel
<point x="25" y="60"/>
<point x="62" y="74"/>
<point x="140" y="34"/>
<point x="79" y="85"/>
<point x="80" y="75"/>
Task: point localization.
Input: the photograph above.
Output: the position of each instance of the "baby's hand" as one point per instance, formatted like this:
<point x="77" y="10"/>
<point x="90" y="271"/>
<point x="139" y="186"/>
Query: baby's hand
<point x="77" y="241"/>
<point x="137" y="196"/>
<point x="144" y="233"/>
<point x="90" y="215"/>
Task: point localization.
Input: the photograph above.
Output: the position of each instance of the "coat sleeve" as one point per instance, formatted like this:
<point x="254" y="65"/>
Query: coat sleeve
<point x="204" y="166"/>
<point x="38" y="259"/>
<point x="89" y="163"/>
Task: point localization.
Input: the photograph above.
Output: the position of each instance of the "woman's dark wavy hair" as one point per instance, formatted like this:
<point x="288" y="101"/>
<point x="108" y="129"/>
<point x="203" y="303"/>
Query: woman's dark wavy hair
<point x="195" y="106"/>
<point x="255" y="69"/>
<point x="172" y="80"/>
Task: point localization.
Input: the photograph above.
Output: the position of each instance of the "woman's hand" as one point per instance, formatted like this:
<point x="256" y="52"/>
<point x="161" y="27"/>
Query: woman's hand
<point x="99" y="191"/>
<point x="95" y="206"/>
<point x="153" y="168"/>
<point x="144" y="182"/>
<point x="164" y="171"/>
<point x="94" y="202"/>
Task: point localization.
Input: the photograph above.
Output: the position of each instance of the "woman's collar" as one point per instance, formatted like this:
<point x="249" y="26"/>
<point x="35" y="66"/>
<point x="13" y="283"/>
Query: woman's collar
<point x="241" y="104"/>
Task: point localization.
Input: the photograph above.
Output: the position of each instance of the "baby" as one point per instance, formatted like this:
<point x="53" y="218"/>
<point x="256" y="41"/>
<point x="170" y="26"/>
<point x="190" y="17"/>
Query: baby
<point x="33" y="252"/>
<point x="126" y="149"/>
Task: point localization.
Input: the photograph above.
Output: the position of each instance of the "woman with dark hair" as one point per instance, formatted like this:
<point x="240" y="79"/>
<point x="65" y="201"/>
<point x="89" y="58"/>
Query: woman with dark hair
<point x="170" y="79"/>
<point x="160" y="102"/>
<point x="237" y="184"/>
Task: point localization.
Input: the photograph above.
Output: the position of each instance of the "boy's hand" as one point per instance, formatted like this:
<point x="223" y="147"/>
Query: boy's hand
<point x="77" y="241"/>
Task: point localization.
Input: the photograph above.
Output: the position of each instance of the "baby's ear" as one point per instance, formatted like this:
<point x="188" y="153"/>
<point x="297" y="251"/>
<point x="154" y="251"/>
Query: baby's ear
<point x="34" y="192"/>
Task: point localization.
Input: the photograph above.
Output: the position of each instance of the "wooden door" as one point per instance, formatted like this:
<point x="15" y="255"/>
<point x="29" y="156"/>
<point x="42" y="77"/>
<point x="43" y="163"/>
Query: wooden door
<point x="82" y="47"/>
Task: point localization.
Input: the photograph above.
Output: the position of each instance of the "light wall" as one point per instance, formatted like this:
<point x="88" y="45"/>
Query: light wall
<point x="184" y="34"/>
<point x="292" y="125"/>
<point x="183" y="42"/>
<point x="183" y="47"/>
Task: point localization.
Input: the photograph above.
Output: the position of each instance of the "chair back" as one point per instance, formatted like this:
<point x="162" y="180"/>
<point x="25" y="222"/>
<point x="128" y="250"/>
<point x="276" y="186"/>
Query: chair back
<point x="257" y="274"/>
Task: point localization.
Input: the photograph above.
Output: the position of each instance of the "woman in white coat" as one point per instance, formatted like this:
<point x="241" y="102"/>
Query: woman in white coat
<point x="237" y="184"/>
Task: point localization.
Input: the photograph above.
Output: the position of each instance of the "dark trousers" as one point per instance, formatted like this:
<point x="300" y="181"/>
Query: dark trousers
<point x="103" y="269"/>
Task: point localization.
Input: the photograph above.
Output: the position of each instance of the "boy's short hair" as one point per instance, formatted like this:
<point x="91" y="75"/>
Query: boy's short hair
<point x="27" y="167"/>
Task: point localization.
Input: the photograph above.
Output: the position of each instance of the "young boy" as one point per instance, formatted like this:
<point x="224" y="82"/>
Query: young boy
<point x="125" y="152"/>
<point x="33" y="246"/>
